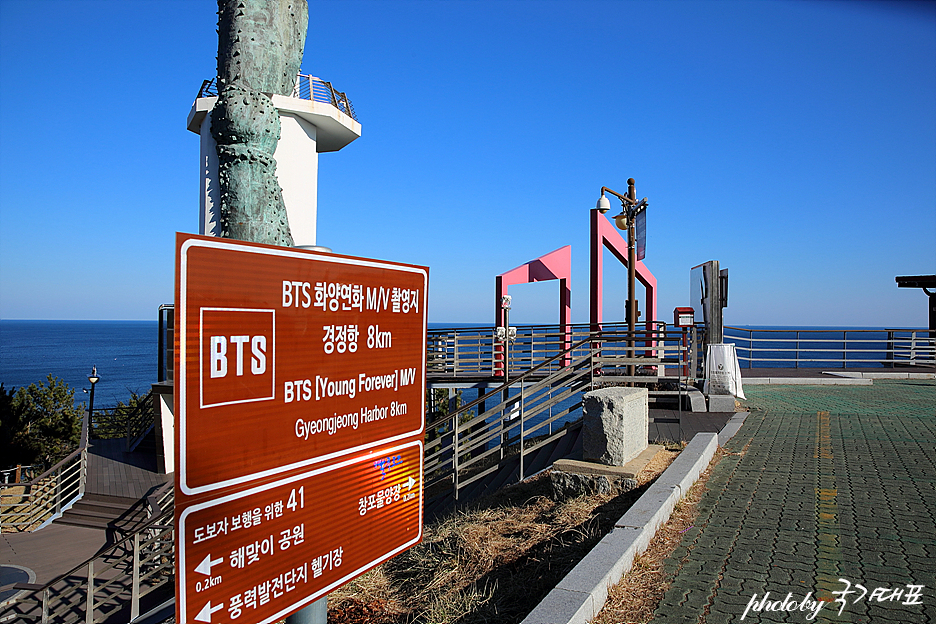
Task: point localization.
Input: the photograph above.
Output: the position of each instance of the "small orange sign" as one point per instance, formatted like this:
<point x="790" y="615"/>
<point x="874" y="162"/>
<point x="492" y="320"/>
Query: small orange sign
<point x="261" y="554"/>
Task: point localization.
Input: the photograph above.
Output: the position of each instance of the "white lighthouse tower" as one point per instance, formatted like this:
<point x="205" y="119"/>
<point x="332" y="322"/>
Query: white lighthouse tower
<point x="317" y="118"/>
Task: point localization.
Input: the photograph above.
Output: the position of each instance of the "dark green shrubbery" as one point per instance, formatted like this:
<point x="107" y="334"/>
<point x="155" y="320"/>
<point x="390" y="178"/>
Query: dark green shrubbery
<point x="38" y="425"/>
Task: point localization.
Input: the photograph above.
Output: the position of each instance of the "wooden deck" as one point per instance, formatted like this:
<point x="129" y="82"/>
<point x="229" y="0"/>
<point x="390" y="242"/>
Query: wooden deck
<point x="114" y="472"/>
<point x="58" y="548"/>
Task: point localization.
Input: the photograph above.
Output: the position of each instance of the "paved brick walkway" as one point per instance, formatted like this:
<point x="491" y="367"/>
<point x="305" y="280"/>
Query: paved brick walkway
<point x="823" y="483"/>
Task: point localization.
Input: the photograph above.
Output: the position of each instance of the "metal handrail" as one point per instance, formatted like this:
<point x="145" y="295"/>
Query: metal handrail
<point x="45" y="498"/>
<point x="464" y="446"/>
<point x="18" y="473"/>
<point x="140" y="421"/>
<point x="307" y="87"/>
<point x="835" y="346"/>
<point x="127" y="571"/>
<point x="473" y="351"/>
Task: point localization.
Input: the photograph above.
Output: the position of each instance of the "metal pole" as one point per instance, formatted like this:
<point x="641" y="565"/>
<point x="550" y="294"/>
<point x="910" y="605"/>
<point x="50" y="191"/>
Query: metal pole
<point x="315" y="613"/>
<point x="91" y="407"/>
<point x="631" y="280"/>
<point x="135" y="583"/>
<point x="89" y="602"/>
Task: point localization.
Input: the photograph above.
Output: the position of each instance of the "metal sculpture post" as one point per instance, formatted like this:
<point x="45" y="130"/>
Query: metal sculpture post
<point x="260" y="45"/>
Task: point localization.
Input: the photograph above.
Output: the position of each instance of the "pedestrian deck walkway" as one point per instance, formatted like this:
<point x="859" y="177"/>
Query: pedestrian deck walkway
<point x="58" y="548"/>
<point x="828" y="493"/>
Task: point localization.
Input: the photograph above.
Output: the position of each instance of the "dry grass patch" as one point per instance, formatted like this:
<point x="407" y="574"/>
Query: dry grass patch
<point x="492" y="562"/>
<point x="634" y="599"/>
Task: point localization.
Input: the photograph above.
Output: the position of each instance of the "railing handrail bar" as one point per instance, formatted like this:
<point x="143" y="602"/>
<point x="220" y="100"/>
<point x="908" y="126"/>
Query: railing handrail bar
<point x="825" y="331"/>
<point x="110" y="549"/>
<point x="594" y="337"/>
<point x="507" y="384"/>
<point x="336" y="98"/>
<point x="82" y="445"/>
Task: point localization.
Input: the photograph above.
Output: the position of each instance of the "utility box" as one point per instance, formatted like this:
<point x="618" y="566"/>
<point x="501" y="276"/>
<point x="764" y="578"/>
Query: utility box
<point x="684" y="317"/>
<point x="708" y="294"/>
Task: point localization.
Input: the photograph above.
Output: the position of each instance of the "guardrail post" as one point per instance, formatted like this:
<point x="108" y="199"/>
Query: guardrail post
<point x="796" y="362"/>
<point x="89" y="605"/>
<point x="890" y="349"/>
<point x="455" y="455"/>
<point x="522" y="416"/>
<point x="504" y="416"/>
<point x="58" y="490"/>
<point x="844" y="350"/>
<point x="135" y="588"/>
<point x="694" y="353"/>
<point x="455" y="353"/>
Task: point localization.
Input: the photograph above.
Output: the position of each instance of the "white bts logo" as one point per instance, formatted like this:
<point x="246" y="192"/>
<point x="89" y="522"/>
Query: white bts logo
<point x="219" y="355"/>
<point x="238" y="356"/>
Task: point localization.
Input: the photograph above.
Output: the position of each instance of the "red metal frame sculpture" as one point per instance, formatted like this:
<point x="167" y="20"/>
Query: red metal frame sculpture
<point x="605" y="234"/>
<point x="554" y="265"/>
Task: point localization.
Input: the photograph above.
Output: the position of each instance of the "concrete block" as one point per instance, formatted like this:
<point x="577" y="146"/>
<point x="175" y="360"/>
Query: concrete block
<point x="696" y="400"/>
<point x="615" y="425"/>
<point x="606" y="564"/>
<point x="721" y="403"/>
<point x="652" y="509"/>
<point x="627" y="471"/>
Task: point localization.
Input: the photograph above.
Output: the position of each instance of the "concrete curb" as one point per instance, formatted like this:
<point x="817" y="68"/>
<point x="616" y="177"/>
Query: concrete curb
<point x="806" y="381"/>
<point x="582" y="593"/>
<point x="889" y="375"/>
<point x="731" y="427"/>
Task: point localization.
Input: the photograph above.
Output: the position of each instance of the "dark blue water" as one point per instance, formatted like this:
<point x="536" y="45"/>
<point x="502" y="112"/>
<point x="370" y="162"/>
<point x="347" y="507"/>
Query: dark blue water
<point x="125" y="353"/>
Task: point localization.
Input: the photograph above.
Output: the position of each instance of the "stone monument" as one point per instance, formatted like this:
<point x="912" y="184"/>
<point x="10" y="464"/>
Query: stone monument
<point x="614" y="425"/>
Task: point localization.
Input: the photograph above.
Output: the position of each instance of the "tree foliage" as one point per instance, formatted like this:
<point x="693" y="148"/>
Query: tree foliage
<point x="112" y="423"/>
<point x="40" y="424"/>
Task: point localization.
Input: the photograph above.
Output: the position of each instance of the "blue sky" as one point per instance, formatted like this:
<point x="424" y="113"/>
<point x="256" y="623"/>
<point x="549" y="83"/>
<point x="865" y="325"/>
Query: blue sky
<point x="795" y="142"/>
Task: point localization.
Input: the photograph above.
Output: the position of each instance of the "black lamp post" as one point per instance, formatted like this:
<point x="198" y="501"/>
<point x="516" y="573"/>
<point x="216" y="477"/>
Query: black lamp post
<point x="93" y="378"/>
<point x="630" y="208"/>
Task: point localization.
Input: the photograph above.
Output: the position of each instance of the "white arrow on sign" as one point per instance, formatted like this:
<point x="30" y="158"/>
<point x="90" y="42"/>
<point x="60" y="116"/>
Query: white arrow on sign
<point x="205" y="614"/>
<point x="410" y="483"/>
<point x="205" y="566"/>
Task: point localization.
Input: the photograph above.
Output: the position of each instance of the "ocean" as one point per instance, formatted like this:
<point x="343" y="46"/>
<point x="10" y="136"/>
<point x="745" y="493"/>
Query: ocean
<point x="125" y="353"/>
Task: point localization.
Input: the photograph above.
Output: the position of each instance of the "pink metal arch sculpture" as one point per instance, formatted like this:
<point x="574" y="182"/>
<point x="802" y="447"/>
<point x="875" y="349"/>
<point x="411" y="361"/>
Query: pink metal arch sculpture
<point x="604" y="234"/>
<point x="554" y="265"/>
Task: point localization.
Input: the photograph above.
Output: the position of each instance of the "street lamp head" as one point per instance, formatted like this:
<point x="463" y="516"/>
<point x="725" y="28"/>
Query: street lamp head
<point x="603" y="204"/>
<point x="621" y="221"/>
<point x="93" y="377"/>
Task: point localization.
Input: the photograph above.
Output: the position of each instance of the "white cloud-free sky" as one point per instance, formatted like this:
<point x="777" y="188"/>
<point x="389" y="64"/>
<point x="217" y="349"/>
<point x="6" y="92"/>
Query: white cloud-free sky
<point x="793" y="141"/>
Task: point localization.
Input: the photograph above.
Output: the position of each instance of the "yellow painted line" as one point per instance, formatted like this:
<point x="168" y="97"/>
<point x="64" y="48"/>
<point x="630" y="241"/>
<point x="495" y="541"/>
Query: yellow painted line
<point x="827" y="526"/>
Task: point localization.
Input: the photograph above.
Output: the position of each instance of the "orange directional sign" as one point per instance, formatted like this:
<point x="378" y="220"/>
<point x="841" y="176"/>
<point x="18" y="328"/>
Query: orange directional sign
<point x="260" y="554"/>
<point x="288" y="358"/>
<point x="299" y="404"/>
